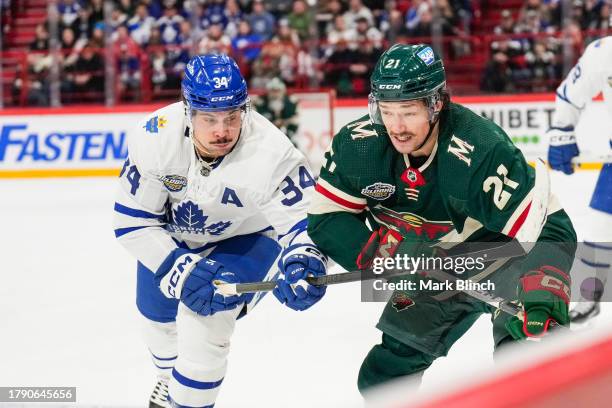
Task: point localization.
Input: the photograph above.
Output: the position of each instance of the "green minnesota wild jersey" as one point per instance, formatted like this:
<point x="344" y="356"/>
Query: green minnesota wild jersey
<point x="475" y="186"/>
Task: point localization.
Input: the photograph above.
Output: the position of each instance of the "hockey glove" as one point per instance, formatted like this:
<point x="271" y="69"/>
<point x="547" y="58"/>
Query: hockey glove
<point x="297" y="263"/>
<point x="386" y="243"/>
<point x="545" y="296"/>
<point x="562" y="149"/>
<point x="189" y="277"/>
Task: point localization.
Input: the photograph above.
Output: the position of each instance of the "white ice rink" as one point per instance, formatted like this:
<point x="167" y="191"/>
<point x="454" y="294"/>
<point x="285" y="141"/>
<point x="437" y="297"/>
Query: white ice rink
<point x="67" y="308"/>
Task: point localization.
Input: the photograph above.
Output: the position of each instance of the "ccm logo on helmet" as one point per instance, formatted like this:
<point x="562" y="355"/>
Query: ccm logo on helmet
<point x="385" y="86"/>
<point x="222" y="98"/>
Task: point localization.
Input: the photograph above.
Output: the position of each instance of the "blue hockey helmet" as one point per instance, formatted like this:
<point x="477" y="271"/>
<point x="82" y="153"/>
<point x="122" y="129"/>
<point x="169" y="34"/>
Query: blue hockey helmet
<point x="213" y="82"/>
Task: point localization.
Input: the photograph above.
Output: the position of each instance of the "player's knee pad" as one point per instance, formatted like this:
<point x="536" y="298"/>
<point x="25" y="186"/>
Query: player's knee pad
<point x="602" y="196"/>
<point x="389" y="360"/>
<point x="161" y="339"/>
<point x="205" y="340"/>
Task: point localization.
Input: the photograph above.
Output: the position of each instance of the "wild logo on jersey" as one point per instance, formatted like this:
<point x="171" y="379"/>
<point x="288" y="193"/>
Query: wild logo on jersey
<point x="401" y="302"/>
<point x="411" y="224"/>
<point x="187" y="217"/>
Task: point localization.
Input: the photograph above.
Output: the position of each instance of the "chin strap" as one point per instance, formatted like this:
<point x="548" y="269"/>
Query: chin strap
<point x="432" y="125"/>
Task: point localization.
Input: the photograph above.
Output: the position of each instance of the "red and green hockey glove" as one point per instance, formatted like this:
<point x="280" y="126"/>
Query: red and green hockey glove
<point x="386" y="243"/>
<point x="545" y="296"/>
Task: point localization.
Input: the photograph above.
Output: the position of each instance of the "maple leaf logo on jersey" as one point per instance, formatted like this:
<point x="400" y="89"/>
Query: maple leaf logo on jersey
<point x="155" y="123"/>
<point x="401" y="302"/>
<point x="188" y="216"/>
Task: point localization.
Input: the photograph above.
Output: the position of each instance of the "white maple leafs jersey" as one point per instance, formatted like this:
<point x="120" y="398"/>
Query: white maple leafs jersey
<point x="263" y="184"/>
<point x="591" y="74"/>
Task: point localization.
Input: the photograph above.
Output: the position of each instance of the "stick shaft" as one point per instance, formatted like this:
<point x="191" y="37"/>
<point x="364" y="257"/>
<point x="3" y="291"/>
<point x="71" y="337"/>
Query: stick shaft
<point x="508" y="250"/>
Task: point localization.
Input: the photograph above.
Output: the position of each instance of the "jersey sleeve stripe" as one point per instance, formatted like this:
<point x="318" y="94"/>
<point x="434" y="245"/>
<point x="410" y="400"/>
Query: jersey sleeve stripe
<point x="517" y="218"/>
<point x="340" y="196"/>
<point x="340" y="201"/>
<point x="132" y="212"/>
<point x="119" y="232"/>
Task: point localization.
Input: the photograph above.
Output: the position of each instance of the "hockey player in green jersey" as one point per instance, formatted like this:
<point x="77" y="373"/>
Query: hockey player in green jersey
<point x="421" y="170"/>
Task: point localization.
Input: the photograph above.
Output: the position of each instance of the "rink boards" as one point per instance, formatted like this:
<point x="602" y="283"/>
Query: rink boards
<point x="91" y="141"/>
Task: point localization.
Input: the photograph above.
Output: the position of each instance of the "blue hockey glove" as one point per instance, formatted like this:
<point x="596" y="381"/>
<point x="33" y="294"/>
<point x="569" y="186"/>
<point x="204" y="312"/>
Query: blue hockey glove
<point x="562" y="149"/>
<point x="189" y="277"/>
<point x="297" y="263"/>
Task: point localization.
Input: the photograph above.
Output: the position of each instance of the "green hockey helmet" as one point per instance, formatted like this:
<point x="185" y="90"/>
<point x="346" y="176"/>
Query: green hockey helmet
<point x="407" y="72"/>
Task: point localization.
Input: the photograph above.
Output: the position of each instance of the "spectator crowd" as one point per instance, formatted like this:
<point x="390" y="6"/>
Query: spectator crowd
<point x="329" y="43"/>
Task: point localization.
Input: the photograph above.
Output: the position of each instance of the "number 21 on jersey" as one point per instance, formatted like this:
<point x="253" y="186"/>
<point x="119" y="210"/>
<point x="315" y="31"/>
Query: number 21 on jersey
<point x="500" y="196"/>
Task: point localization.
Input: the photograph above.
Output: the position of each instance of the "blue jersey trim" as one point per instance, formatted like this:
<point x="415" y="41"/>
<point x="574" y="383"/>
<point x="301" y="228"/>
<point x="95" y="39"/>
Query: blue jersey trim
<point x="300" y="226"/>
<point x="119" y="232"/>
<point x="163" y="358"/>
<point x="564" y="98"/>
<point x="563" y="129"/>
<point x="595" y="264"/>
<point x="132" y="212"/>
<point x="175" y="404"/>
<point x="597" y="245"/>
<point x="163" y="368"/>
<point x="200" y="385"/>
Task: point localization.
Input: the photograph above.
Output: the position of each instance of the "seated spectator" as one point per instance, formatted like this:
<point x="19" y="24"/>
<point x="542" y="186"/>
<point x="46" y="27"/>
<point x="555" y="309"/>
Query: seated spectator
<point x="262" y="22"/>
<point x="337" y="73"/>
<point x="393" y="27"/>
<point x="215" y="41"/>
<point x="68" y="11"/>
<point x="140" y="24"/>
<point x="278" y="58"/>
<point x="98" y="36"/>
<point x="39" y="62"/>
<point x="96" y="12"/>
<point x="117" y="18"/>
<point x="126" y="7"/>
<point x="363" y="33"/>
<point x="424" y="24"/>
<point x="602" y="20"/>
<point x="82" y="26"/>
<point x="355" y="11"/>
<point x="234" y="17"/>
<point x="86" y="76"/>
<point x="326" y="14"/>
<point x="506" y="65"/>
<point x="414" y="13"/>
<point x="214" y="13"/>
<point x="339" y="32"/>
<point x="169" y="24"/>
<point x="541" y="63"/>
<point x="246" y="45"/>
<point x="506" y="25"/>
<point x="278" y="107"/>
<point x="301" y="20"/>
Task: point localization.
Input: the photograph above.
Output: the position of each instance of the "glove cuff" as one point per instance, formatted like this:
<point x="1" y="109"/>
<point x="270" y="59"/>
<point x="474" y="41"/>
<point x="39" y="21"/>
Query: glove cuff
<point x="183" y="262"/>
<point x="550" y="279"/>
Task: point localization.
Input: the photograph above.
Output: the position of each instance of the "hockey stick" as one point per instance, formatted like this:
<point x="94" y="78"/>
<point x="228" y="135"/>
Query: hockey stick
<point x="584" y="159"/>
<point x="511" y="249"/>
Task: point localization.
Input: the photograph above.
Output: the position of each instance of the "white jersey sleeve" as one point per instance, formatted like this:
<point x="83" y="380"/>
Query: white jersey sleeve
<point x="589" y="77"/>
<point x="289" y="190"/>
<point x="141" y="198"/>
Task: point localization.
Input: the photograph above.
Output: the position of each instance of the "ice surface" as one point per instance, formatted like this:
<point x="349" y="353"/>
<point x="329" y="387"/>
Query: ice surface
<point x="67" y="293"/>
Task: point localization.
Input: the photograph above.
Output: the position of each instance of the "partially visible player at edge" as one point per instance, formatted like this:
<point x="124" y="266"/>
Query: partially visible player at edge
<point x="211" y="190"/>
<point x="591" y="75"/>
<point x="422" y="169"/>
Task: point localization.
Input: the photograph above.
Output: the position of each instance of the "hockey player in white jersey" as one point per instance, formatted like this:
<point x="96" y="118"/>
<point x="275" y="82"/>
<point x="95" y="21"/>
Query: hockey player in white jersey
<point x="211" y="190"/>
<point x="590" y="76"/>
